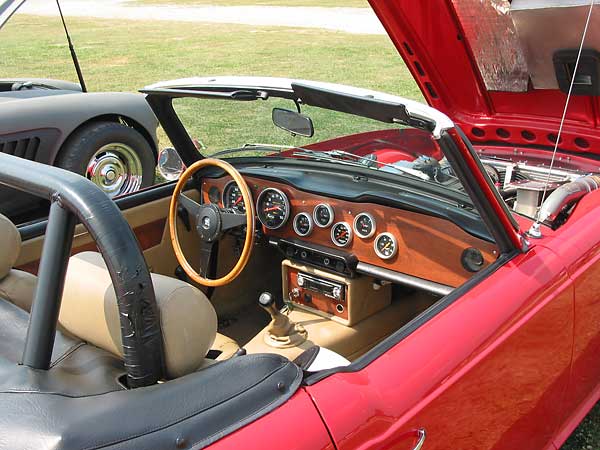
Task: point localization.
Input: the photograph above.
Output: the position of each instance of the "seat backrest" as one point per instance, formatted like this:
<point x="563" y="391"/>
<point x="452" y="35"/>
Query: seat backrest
<point x="16" y="286"/>
<point x="89" y="311"/>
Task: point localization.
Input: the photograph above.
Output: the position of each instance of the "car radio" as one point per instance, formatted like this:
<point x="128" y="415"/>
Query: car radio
<point x="329" y="289"/>
<point x="340" y="298"/>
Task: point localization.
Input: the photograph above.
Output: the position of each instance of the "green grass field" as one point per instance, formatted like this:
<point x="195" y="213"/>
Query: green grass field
<point x="322" y="3"/>
<point x="127" y="55"/>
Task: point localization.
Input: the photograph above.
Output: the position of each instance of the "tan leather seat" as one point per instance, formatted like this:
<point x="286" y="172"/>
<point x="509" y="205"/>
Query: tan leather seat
<point x="16" y="286"/>
<point x="187" y="318"/>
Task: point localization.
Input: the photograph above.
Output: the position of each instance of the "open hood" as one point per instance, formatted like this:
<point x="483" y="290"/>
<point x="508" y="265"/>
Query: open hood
<point x="7" y="9"/>
<point x="499" y="68"/>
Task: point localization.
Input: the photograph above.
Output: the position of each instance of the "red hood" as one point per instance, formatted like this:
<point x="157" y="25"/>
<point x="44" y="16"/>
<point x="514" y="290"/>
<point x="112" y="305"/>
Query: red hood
<point x="466" y="57"/>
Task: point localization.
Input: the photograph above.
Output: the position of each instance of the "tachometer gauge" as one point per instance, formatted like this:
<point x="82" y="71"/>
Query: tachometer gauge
<point x="341" y="234"/>
<point x="303" y="224"/>
<point x="323" y="215"/>
<point x="364" y="225"/>
<point x="232" y="197"/>
<point x="273" y="208"/>
<point x="386" y="245"/>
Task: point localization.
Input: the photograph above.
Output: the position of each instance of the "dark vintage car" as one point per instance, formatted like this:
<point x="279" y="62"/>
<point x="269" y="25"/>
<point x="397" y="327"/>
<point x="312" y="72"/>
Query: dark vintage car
<point x="363" y="272"/>
<point x="108" y="137"/>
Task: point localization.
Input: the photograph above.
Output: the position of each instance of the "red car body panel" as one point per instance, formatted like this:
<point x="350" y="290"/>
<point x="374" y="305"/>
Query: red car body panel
<point x="295" y="425"/>
<point x="490" y="371"/>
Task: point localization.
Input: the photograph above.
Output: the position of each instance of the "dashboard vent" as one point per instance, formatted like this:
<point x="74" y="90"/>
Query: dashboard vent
<point x="23" y="148"/>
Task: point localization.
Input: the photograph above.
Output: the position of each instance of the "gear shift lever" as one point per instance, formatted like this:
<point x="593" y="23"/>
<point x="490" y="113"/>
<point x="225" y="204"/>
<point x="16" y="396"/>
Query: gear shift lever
<point x="281" y="332"/>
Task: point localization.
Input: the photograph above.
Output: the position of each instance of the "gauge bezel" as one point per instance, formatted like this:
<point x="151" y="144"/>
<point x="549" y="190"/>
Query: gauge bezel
<point x="394" y="240"/>
<point x="331" y="214"/>
<point x="350" y="234"/>
<point x="310" y="221"/>
<point x="287" y="207"/>
<point x="223" y="195"/>
<point x="373" y="229"/>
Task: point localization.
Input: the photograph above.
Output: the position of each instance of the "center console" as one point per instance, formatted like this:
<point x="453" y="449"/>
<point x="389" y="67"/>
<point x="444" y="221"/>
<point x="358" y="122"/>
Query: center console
<point x="335" y="296"/>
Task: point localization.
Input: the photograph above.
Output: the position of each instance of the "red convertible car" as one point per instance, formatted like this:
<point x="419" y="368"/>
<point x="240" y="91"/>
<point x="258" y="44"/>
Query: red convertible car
<point x="363" y="272"/>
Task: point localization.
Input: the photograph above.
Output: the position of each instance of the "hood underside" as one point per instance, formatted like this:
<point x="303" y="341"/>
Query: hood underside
<point x="494" y="67"/>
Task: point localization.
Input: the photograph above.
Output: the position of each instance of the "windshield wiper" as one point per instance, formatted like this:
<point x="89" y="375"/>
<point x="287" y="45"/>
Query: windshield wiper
<point x="257" y="148"/>
<point x="356" y="160"/>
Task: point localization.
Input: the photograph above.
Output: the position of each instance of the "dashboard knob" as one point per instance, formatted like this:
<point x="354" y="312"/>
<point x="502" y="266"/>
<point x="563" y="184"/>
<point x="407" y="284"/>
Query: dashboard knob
<point x="336" y="293"/>
<point x="300" y="280"/>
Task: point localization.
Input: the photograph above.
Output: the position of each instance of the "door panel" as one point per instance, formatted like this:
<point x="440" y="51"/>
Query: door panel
<point x="488" y="372"/>
<point x="150" y="225"/>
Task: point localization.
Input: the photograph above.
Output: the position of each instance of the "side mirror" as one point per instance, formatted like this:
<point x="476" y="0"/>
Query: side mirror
<point x="293" y="121"/>
<point x="170" y="166"/>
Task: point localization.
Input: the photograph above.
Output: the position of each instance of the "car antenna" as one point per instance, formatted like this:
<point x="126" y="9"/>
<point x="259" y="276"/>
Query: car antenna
<point x="72" y="50"/>
<point x="535" y="231"/>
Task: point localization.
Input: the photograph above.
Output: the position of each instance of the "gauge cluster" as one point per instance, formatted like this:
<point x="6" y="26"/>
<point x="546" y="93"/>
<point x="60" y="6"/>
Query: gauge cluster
<point x="375" y="234"/>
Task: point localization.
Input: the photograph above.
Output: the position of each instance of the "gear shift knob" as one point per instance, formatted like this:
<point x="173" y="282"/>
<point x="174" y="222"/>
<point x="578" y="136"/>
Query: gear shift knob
<point x="266" y="299"/>
<point x="281" y="332"/>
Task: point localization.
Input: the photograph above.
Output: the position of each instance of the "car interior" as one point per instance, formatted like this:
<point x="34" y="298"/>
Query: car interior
<point x="326" y="302"/>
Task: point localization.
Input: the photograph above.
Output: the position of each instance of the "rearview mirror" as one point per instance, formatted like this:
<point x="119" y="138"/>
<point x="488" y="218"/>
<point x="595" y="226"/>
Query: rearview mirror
<point x="170" y="166"/>
<point x="293" y="121"/>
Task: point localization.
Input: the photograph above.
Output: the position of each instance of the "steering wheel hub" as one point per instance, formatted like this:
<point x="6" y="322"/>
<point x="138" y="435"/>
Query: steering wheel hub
<point x="209" y="223"/>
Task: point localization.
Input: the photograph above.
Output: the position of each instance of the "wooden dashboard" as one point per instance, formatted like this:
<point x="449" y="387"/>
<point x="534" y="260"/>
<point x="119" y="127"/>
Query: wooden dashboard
<point x="427" y="247"/>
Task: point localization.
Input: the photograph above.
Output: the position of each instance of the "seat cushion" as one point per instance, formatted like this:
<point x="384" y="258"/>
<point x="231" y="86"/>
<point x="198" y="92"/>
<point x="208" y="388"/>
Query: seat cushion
<point x="76" y="369"/>
<point x="226" y="346"/>
<point x="18" y="287"/>
<point x="89" y="310"/>
<point x="10" y="245"/>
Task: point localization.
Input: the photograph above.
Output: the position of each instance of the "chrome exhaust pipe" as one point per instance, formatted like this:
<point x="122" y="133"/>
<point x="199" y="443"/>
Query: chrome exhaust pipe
<point x="567" y="194"/>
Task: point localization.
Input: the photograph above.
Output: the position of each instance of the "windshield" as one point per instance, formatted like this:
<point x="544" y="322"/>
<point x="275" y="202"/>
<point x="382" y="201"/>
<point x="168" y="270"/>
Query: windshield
<point x="227" y="129"/>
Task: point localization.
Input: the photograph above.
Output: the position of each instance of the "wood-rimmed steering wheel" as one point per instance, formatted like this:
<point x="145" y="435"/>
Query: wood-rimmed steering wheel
<point x="210" y="222"/>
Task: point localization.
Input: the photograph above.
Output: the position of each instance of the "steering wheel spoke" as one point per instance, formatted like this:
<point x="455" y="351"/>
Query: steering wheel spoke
<point x="231" y="220"/>
<point x="208" y="254"/>
<point x="191" y="206"/>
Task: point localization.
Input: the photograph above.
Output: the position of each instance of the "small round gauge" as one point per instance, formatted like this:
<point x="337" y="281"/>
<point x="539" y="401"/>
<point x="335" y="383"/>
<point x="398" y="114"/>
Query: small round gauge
<point x="472" y="259"/>
<point x="303" y="224"/>
<point x="273" y="208"/>
<point x="386" y="246"/>
<point x="364" y="225"/>
<point x="323" y="215"/>
<point x="232" y="197"/>
<point x="341" y="234"/>
<point x="214" y="194"/>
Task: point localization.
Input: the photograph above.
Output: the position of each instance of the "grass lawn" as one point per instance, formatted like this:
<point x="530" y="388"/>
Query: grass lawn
<point x="325" y="3"/>
<point x="127" y="55"/>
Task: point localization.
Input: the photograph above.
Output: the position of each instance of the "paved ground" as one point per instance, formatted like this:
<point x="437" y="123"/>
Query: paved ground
<point x="350" y="20"/>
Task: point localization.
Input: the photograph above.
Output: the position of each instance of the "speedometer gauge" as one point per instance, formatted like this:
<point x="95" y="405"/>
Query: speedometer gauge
<point x="232" y="197"/>
<point x="272" y="208"/>
<point x="323" y="215"/>
<point x="386" y="245"/>
<point x="364" y="225"/>
<point x="303" y="224"/>
<point x="341" y="234"/>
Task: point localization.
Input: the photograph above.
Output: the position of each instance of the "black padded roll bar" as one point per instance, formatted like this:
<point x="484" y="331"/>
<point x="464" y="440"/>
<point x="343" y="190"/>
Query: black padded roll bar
<point x="73" y="195"/>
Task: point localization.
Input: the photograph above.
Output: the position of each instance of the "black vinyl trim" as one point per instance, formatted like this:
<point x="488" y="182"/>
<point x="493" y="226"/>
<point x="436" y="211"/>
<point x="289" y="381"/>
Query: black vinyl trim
<point x="488" y="215"/>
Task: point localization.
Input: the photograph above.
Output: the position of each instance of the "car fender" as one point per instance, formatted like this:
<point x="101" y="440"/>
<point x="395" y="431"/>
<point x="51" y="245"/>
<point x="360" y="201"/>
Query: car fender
<point x="54" y="118"/>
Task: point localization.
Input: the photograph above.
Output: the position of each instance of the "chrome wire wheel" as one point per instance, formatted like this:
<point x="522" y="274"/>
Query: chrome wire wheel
<point x="116" y="168"/>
